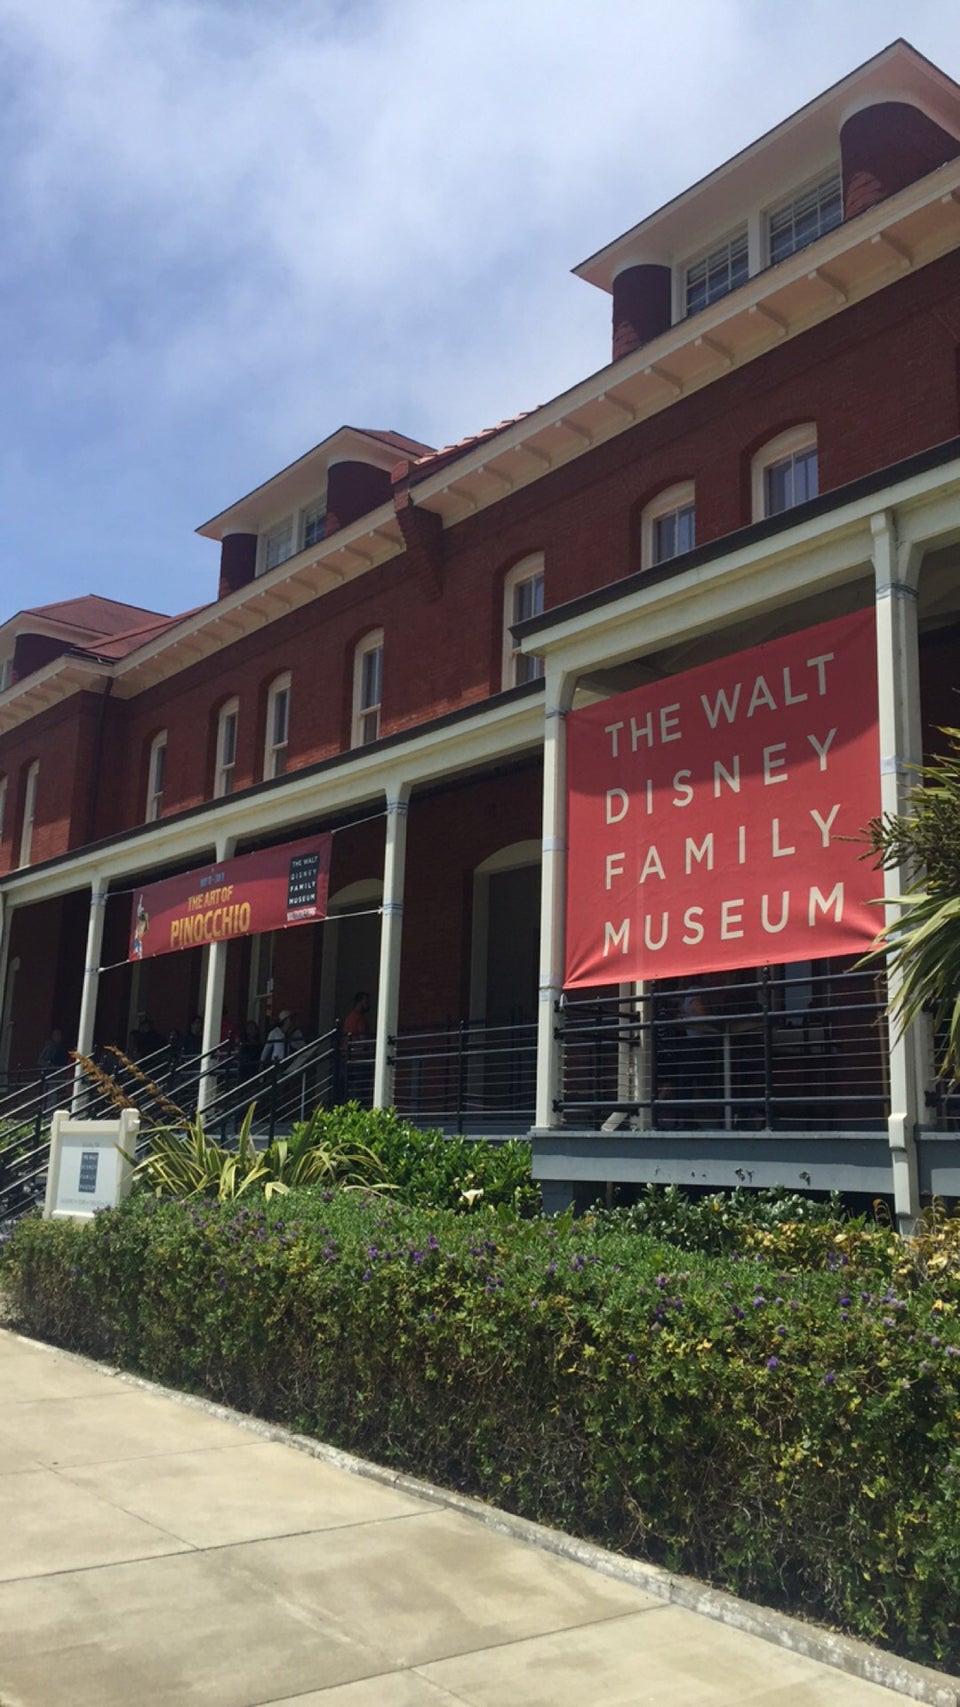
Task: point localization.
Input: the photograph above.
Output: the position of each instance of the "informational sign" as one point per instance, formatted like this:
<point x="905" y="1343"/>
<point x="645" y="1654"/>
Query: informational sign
<point x="90" y="1166"/>
<point x="711" y="815"/>
<point x="264" y="891"/>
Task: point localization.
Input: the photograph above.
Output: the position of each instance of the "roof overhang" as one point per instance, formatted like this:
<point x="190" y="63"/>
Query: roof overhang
<point x="757" y="175"/>
<point x="301" y="481"/>
<point x="48" y="687"/>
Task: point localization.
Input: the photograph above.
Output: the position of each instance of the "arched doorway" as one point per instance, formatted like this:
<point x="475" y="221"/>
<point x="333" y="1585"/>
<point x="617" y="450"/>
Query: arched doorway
<point x="351" y="949"/>
<point x="505" y="939"/>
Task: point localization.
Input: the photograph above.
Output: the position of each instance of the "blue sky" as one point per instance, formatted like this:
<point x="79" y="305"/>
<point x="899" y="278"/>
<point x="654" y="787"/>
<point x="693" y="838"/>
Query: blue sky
<point x="232" y="226"/>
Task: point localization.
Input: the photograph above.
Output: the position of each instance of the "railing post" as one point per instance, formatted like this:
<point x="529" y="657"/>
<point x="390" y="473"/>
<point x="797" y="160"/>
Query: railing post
<point x="767" y="1048"/>
<point x="274" y="1094"/>
<point x="461" y="1076"/>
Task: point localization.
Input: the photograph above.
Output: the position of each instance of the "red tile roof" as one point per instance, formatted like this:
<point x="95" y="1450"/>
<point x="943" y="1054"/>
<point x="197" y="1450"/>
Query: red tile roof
<point x="421" y="466"/>
<point x="96" y="616"/>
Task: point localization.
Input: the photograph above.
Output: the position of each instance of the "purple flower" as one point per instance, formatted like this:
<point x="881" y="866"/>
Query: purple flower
<point x="889" y="1321"/>
<point x="781" y="1331"/>
<point x="759" y="1300"/>
<point x="829" y="1378"/>
<point x="631" y="1357"/>
<point x="365" y="1275"/>
<point x="773" y="1363"/>
<point x="433" y="1242"/>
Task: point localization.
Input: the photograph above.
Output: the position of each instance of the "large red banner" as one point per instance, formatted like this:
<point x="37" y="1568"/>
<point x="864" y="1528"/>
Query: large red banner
<point x="708" y="813"/>
<point x="264" y="891"/>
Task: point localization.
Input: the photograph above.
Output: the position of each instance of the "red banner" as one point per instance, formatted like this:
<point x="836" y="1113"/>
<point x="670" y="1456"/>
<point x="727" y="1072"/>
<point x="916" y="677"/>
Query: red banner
<point x="707" y="813"/>
<point x="264" y="891"/>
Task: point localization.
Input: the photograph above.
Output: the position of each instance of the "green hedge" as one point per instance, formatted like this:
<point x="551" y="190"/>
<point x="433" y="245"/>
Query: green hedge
<point x="791" y="1435"/>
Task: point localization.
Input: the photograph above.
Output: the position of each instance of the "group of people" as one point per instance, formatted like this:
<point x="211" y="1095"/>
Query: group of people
<point x="246" y="1045"/>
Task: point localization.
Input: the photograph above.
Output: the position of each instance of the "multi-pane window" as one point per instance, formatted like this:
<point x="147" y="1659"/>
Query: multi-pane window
<point x="716" y="274"/>
<point x="278" y="727"/>
<point x="669" y="525"/>
<point x="277" y="545"/>
<point x="805" y="219"/>
<point x="29" y="812"/>
<point x="226" y="747"/>
<point x="785" y="472"/>
<point x="673" y="533"/>
<point x="156" y="772"/>
<point x="314" y="525"/>
<point x="523" y="599"/>
<point x="368" y="689"/>
<point x="790" y="481"/>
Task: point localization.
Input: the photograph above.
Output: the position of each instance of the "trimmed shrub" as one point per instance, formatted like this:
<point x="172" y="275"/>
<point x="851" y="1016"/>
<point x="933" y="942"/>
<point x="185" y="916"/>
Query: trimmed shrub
<point x="789" y="1433"/>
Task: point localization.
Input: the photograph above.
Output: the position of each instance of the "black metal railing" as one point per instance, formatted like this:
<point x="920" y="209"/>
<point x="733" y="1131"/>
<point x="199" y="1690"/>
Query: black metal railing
<point x="27" y="1106"/>
<point x="778" y="1051"/>
<point x="467" y="1077"/>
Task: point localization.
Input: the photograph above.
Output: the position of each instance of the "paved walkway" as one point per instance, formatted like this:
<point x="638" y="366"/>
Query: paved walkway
<point x="153" y="1554"/>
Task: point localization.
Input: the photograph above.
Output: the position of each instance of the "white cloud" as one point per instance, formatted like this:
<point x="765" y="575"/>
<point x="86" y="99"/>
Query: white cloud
<point x="237" y="225"/>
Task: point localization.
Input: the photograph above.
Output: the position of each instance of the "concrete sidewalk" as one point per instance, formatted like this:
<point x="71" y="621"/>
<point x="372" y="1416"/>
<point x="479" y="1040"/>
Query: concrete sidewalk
<point x="151" y="1553"/>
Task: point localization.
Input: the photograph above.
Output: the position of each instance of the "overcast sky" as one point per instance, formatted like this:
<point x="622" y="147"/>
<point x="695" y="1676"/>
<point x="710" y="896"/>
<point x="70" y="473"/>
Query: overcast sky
<point x="233" y="225"/>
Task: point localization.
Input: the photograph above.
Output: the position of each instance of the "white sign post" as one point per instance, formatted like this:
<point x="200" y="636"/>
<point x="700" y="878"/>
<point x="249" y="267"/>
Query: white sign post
<point x="87" y="1169"/>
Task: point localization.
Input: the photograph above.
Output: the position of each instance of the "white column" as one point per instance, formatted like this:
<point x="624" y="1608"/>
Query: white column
<point x="214" y="974"/>
<point x="897" y="573"/>
<point x="391" y="933"/>
<point x="90" y="989"/>
<point x="6" y="921"/>
<point x="553" y="889"/>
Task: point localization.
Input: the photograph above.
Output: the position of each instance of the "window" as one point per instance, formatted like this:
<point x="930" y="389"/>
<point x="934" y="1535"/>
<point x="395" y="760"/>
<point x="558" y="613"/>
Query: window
<point x="3" y="805"/>
<point x="314" y="526"/>
<point x="522" y="599"/>
<point x="785" y="472"/>
<point x="669" y="525"/>
<point x="297" y="532"/>
<point x="6" y="673"/>
<point x="717" y="274"/>
<point x="806" y="218"/>
<point x="367" y="689"/>
<point x="226" y="747"/>
<point x="278" y="727"/>
<point x="156" y="770"/>
<point x="29" y="812"/>
<point x="276" y="545"/>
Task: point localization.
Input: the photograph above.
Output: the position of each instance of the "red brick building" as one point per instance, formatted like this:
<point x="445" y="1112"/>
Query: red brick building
<point x="399" y="631"/>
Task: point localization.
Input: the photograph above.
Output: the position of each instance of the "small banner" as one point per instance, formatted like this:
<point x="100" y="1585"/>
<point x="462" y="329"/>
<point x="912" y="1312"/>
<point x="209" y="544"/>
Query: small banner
<point x="706" y="814"/>
<point x="264" y="891"/>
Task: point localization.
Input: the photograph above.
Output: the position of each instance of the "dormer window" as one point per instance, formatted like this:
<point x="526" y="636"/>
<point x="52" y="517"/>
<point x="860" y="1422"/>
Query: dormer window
<point x="6" y="673"/>
<point x="805" y="218"/>
<point x="717" y="274"/>
<point x="314" y="526"/>
<point x="276" y="545"/>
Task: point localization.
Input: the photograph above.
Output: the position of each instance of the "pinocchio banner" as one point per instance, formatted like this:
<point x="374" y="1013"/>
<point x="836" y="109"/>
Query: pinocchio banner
<point x="707" y="814"/>
<point x="264" y="891"/>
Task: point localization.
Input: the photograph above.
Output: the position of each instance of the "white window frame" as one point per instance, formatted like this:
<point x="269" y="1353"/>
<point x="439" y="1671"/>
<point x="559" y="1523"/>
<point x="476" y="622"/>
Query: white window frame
<point x="156" y="777"/>
<point x="229" y="714"/>
<point x="681" y="496"/>
<point x="29" y="812"/>
<point x="781" y="449"/>
<point x="310" y="514"/>
<point x="366" y="714"/>
<point x="274" y="750"/>
<point x="825" y="180"/>
<point x="517" y="666"/>
<point x="295" y="525"/>
<point x="725" y="240"/>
